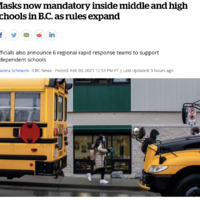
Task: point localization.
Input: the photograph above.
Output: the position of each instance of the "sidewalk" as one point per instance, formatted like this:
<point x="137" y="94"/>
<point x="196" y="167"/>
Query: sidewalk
<point x="72" y="182"/>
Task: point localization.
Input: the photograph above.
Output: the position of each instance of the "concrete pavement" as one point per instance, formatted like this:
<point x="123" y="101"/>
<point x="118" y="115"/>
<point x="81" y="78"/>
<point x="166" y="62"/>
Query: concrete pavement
<point x="72" y="182"/>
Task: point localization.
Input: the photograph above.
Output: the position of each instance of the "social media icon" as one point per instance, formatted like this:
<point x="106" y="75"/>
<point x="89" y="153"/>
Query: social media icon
<point x="51" y="35"/>
<point x="39" y="35"/>
<point x="26" y="35"/>
<point x="13" y="34"/>
<point x="2" y="35"/>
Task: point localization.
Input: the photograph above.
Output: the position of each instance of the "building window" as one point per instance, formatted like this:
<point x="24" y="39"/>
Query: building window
<point x="120" y="140"/>
<point x="82" y="146"/>
<point x="82" y="81"/>
<point x="5" y="107"/>
<point x="121" y="80"/>
<point x="101" y="81"/>
<point x="121" y="144"/>
<point x="27" y="107"/>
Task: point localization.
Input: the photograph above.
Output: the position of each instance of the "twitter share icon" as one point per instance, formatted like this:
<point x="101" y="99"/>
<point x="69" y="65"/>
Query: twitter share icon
<point x="13" y="34"/>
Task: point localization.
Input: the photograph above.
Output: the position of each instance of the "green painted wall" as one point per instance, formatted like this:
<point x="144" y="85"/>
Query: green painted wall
<point x="102" y="128"/>
<point x="103" y="98"/>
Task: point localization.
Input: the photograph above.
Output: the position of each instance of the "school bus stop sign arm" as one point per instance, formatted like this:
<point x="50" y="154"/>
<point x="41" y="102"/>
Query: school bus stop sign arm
<point x="30" y="132"/>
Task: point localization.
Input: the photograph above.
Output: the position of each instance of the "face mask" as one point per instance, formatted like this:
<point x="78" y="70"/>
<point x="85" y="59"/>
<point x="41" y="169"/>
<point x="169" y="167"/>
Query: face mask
<point x="103" y="140"/>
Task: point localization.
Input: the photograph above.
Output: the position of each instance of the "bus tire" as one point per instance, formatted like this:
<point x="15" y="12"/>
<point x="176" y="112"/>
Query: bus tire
<point x="165" y="193"/>
<point x="187" y="186"/>
<point x="60" y="173"/>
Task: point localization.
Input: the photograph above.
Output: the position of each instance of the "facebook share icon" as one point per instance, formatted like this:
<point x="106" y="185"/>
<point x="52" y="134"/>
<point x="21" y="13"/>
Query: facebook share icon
<point x="2" y="35"/>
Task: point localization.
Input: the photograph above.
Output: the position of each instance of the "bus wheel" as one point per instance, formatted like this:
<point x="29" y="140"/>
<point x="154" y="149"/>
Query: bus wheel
<point x="188" y="186"/>
<point x="60" y="173"/>
<point x="10" y="177"/>
<point x="165" y="193"/>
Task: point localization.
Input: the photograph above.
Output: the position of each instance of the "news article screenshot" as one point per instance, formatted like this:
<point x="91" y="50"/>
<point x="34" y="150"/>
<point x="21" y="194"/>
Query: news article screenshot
<point x="99" y="98"/>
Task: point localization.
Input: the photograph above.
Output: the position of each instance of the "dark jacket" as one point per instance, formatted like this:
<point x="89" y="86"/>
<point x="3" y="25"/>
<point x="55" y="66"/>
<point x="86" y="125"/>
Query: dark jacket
<point x="151" y="140"/>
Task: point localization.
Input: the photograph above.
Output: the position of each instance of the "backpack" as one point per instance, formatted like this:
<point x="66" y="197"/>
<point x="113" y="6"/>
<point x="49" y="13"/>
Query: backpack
<point x="92" y="153"/>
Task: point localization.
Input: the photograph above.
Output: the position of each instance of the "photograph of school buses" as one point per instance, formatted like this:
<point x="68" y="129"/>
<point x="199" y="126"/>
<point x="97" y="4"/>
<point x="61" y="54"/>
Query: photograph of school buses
<point x="47" y="128"/>
<point x="33" y="126"/>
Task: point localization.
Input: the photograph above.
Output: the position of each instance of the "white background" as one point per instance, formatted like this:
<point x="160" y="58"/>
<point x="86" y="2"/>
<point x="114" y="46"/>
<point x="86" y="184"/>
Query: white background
<point x="175" y="34"/>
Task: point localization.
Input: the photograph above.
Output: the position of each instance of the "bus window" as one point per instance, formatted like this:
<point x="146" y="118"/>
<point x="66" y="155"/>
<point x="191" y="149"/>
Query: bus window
<point x="65" y="109"/>
<point x="4" y="107"/>
<point x="27" y="107"/>
<point x="60" y="108"/>
<point x="60" y="139"/>
<point x="55" y="106"/>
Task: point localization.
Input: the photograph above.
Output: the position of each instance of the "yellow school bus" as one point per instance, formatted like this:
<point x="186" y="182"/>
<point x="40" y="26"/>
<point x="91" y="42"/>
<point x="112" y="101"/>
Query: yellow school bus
<point x="33" y="126"/>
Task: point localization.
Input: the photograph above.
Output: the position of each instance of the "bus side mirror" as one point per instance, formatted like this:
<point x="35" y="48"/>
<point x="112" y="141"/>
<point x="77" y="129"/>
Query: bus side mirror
<point x="54" y="81"/>
<point x="139" y="134"/>
<point x="184" y="115"/>
<point x="68" y="86"/>
<point x="60" y="81"/>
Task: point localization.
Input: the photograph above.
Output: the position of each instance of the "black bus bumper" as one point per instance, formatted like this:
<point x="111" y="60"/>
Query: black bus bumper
<point x="154" y="183"/>
<point x="51" y="168"/>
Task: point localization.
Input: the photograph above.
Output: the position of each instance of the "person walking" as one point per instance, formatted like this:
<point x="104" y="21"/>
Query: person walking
<point x="100" y="154"/>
